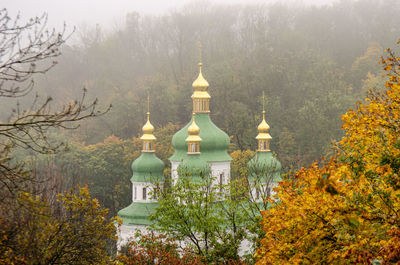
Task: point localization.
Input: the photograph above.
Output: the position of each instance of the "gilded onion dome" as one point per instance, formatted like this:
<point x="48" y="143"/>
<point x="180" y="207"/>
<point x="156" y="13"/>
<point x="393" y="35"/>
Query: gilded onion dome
<point x="200" y="84"/>
<point x="263" y="136"/>
<point x="148" y="130"/>
<point x="263" y="127"/>
<point x="200" y="96"/>
<point x="215" y="142"/>
<point x="146" y="169"/>
<point x="193" y="140"/>
<point x="193" y="132"/>
<point x="264" y="162"/>
<point x="193" y="165"/>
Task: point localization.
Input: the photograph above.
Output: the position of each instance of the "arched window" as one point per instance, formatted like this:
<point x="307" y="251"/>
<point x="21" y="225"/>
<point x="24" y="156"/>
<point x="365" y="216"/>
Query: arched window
<point x="135" y="193"/>
<point x="261" y="145"/>
<point x="221" y="181"/>
<point x="144" y="194"/>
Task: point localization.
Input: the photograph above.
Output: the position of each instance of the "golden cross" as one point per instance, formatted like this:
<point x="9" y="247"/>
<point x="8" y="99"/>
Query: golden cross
<point x="263" y="101"/>
<point x="200" y="48"/>
<point x="148" y="102"/>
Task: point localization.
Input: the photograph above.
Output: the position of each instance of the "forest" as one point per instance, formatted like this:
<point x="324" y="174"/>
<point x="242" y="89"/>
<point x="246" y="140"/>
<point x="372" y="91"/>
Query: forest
<point x="313" y="63"/>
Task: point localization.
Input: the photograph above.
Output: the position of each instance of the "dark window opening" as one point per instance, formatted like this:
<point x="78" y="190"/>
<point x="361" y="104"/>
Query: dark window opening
<point x="144" y="194"/>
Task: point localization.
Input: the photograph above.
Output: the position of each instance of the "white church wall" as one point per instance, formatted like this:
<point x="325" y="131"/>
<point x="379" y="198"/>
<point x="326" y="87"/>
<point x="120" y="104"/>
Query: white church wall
<point x="127" y="233"/>
<point x="174" y="171"/>
<point x="218" y="168"/>
<point x="138" y="192"/>
<point x="261" y="195"/>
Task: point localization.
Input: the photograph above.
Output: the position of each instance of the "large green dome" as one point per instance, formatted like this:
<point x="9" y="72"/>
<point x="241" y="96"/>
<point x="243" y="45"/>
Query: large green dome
<point x="214" y="144"/>
<point x="147" y="168"/>
<point x="265" y="163"/>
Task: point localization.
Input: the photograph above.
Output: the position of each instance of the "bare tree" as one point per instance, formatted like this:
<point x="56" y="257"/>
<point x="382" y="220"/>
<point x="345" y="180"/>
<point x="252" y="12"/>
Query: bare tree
<point x="28" y="49"/>
<point x="22" y="47"/>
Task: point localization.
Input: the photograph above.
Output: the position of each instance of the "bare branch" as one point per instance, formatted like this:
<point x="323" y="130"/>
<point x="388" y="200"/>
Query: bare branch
<point x="24" y="51"/>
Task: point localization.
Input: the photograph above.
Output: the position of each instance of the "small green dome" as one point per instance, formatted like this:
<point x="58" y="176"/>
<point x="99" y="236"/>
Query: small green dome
<point x="147" y="168"/>
<point x="214" y="144"/>
<point x="138" y="213"/>
<point x="265" y="163"/>
<point x="194" y="166"/>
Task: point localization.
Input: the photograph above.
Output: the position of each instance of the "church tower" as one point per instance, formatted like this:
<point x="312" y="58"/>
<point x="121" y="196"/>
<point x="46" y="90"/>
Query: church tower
<point x="193" y="165"/>
<point x="148" y="170"/>
<point x="214" y="142"/>
<point x="265" y="169"/>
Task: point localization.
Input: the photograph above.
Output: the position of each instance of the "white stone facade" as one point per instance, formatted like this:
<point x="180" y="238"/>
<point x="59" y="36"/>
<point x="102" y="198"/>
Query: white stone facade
<point x="127" y="233"/>
<point x="221" y="171"/>
<point x="264" y="190"/>
<point x="174" y="171"/>
<point x="143" y="192"/>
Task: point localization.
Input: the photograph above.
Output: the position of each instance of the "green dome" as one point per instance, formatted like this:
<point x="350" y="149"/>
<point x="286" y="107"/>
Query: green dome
<point x="214" y="144"/>
<point x="147" y="168"/>
<point x="265" y="163"/>
<point x="194" y="166"/>
<point x="137" y="213"/>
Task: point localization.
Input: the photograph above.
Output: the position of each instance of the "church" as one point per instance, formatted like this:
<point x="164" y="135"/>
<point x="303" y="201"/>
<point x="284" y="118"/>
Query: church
<point x="197" y="146"/>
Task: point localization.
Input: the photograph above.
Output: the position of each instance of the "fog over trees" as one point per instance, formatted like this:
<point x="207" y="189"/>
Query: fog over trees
<point x="313" y="62"/>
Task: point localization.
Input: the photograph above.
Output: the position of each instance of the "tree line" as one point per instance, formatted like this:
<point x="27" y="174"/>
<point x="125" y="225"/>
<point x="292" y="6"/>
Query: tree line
<point x="312" y="62"/>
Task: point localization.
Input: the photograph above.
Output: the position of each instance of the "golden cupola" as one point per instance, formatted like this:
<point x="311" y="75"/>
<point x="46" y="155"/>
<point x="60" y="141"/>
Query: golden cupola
<point x="148" y="130"/>
<point x="200" y="84"/>
<point x="264" y="166"/>
<point x="214" y="141"/>
<point x="193" y="138"/>
<point x="201" y="98"/>
<point x="263" y="136"/>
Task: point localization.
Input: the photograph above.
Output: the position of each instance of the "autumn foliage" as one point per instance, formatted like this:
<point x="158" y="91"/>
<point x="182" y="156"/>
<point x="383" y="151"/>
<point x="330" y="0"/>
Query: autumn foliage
<point x="156" y="249"/>
<point x="347" y="210"/>
<point x="74" y="231"/>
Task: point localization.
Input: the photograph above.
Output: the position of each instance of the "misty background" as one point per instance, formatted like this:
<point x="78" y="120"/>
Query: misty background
<point x="109" y="13"/>
<point x="313" y="59"/>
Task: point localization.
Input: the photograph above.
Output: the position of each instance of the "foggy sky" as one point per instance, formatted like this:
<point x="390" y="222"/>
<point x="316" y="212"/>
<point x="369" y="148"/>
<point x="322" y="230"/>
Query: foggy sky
<point x="106" y="13"/>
